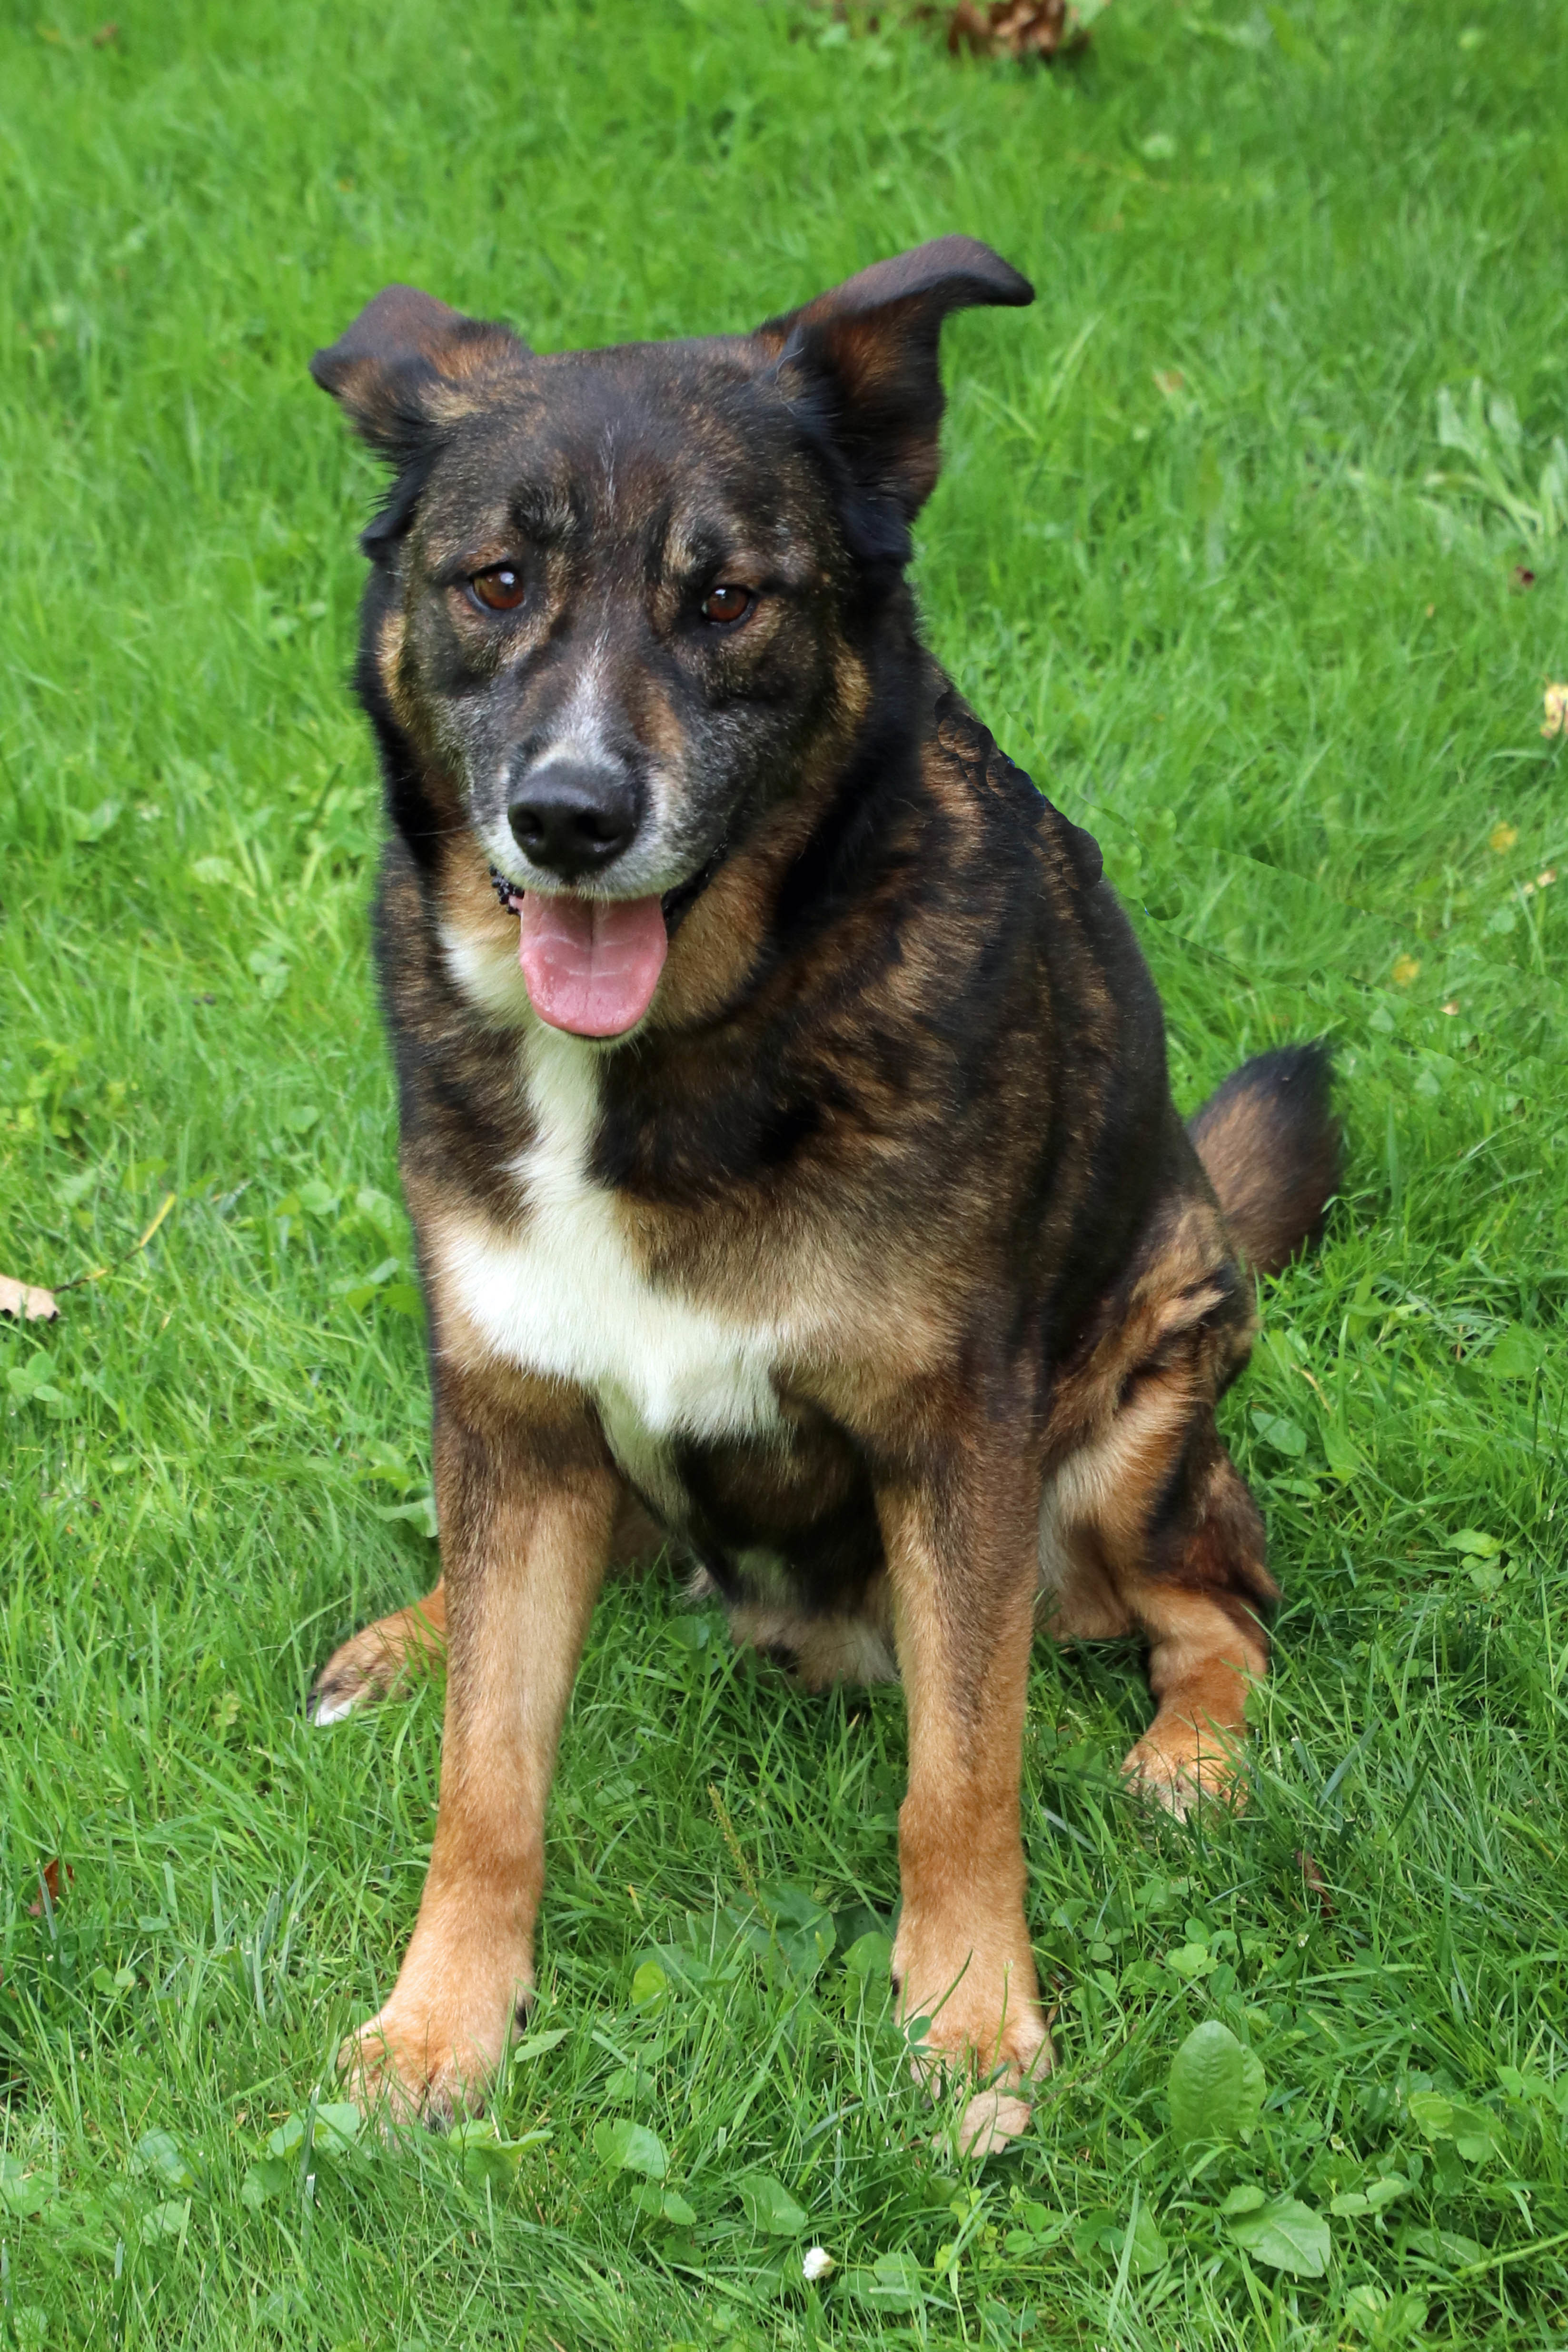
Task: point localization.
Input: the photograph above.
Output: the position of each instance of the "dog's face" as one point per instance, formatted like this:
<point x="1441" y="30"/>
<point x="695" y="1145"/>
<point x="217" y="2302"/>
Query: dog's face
<point x="625" y="581"/>
<point x="621" y="590"/>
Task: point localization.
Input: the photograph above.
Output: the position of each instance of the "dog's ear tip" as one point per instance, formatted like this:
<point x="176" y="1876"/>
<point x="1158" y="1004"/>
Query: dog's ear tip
<point x="325" y="369"/>
<point x="405" y="353"/>
<point x="950" y="273"/>
<point x="400" y="318"/>
<point x="969" y="257"/>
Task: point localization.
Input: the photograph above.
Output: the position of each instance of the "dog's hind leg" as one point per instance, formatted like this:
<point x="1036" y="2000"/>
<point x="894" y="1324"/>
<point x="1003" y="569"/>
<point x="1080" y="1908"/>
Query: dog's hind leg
<point x="380" y="1658"/>
<point x="385" y="1659"/>
<point x="1153" y="1531"/>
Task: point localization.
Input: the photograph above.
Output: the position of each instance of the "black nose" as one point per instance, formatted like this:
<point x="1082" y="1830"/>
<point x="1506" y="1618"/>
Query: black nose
<point x="572" y="818"/>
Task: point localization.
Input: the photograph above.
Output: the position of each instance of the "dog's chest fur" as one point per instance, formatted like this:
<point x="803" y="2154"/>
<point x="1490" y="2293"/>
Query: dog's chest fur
<point x="565" y="1295"/>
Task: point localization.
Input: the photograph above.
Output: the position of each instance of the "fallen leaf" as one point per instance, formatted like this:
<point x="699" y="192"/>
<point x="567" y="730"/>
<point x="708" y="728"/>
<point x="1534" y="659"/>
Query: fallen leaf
<point x="1452" y="1006"/>
<point x="1502" y="837"/>
<point x="1170" y="382"/>
<point x="1556" y="719"/>
<point x="50" y="1875"/>
<point x="27" y="1301"/>
<point x="1522" y="576"/>
<point x="1405" y="969"/>
<point x="1015" y="29"/>
<point x="1315" y="1882"/>
<point x="41" y="1305"/>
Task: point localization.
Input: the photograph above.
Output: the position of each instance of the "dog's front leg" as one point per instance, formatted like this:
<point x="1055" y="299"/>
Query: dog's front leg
<point x="961" y="1542"/>
<point x="527" y="1501"/>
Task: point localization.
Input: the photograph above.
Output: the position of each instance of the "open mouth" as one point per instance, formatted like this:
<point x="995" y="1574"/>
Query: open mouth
<point x="591" y="965"/>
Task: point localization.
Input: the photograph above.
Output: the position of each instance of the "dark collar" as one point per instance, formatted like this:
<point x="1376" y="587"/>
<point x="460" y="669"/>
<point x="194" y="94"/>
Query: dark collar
<point x="677" y="903"/>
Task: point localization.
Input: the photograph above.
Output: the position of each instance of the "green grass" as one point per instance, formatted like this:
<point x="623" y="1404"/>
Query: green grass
<point x="1190" y="561"/>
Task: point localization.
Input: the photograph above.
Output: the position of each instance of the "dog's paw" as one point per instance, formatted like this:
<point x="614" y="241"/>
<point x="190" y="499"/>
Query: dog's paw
<point x="408" y="2066"/>
<point x="348" y="1680"/>
<point x="1178" y="1764"/>
<point x="378" y="1661"/>
<point x="991" y="2121"/>
<point x="982" y="2018"/>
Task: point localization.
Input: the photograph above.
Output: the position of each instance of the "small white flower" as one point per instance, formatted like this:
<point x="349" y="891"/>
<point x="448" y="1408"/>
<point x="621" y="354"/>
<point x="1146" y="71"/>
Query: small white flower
<point x="816" y="2263"/>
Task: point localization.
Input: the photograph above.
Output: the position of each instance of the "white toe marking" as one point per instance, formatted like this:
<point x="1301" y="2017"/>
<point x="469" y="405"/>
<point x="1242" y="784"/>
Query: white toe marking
<point x="333" y="1709"/>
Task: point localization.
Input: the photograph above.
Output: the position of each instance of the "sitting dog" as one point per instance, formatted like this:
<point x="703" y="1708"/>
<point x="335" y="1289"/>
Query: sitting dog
<point x="784" y="1121"/>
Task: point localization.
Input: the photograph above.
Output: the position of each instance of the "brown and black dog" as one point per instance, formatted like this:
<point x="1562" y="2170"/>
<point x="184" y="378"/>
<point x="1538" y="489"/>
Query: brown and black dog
<point x="797" y="1181"/>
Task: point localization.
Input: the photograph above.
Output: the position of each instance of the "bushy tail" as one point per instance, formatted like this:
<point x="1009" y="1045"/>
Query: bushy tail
<point x="1271" y="1146"/>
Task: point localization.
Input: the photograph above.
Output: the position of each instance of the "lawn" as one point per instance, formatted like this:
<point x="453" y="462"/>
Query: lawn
<point x="1238" y="565"/>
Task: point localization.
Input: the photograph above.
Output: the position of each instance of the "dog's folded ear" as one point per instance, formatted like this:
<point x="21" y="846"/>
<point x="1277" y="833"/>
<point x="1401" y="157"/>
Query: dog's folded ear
<point x="409" y="364"/>
<point x="860" y="367"/>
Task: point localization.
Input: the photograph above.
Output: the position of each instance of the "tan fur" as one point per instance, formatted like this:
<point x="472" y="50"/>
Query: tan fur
<point x="962" y="1958"/>
<point x="527" y="1531"/>
<point x="1099" y="1579"/>
<point x="1199" y="1667"/>
<point x="384" y="1657"/>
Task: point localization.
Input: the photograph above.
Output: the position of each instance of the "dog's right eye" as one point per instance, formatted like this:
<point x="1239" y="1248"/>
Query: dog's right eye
<point x="726" y="605"/>
<point x="499" y="590"/>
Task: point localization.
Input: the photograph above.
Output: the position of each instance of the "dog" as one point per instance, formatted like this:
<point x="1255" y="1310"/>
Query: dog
<point x="785" y="1126"/>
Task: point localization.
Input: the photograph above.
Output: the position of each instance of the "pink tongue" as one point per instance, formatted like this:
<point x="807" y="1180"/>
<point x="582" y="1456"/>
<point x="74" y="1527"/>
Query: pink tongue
<point x="592" y="965"/>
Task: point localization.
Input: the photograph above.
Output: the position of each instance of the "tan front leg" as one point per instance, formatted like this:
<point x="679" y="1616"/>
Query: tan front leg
<point x="385" y="1659"/>
<point x="527" y="1503"/>
<point x="961" y="1558"/>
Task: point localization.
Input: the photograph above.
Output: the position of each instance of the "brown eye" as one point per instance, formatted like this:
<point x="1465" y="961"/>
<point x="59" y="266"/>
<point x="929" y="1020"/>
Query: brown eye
<point x="724" y="606"/>
<point x="499" y="590"/>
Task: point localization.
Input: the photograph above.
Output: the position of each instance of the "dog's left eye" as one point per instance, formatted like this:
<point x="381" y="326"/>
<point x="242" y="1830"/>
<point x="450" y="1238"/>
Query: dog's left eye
<point x="725" y="606"/>
<point x="499" y="590"/>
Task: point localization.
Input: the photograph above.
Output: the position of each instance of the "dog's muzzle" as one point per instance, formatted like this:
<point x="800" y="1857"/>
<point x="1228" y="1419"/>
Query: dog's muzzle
<point x="572" y="818"/>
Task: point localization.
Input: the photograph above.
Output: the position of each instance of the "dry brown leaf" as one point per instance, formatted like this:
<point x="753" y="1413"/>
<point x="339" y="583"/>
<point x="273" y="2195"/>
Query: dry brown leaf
<point x="51" y="1878"/>
<point x="27" y="1301"/>
<point x="1015" y="28"/>
<point x="34" y="1305"/>
<point x="1314" y="1881"/>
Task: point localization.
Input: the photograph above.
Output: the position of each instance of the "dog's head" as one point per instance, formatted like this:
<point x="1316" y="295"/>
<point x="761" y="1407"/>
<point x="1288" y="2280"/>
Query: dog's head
<point x="623" y="581"/>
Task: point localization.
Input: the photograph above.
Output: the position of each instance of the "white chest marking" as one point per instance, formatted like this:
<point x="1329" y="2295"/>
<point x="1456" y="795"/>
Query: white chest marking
<point x="487" y="972"/>
<point x="565" y="1297"/>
